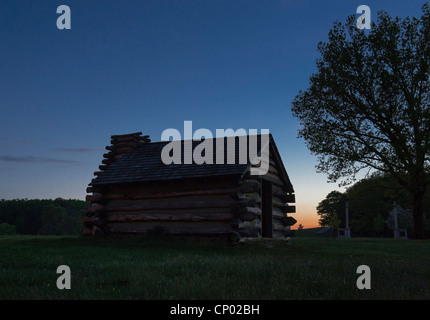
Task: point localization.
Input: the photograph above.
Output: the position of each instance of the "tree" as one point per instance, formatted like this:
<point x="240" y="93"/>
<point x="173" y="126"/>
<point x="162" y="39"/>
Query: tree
<point x="367" y="106"/>
<point x="332" y="210"/>
<point x="7" y="229"/>
<point x="300" y="227"/>
<point x="370" y="200"/>
<point x="44" y="216"/>
<point x="54" y="220"/>
<point x="370" y="203"/>
<point x="378" y="224"/>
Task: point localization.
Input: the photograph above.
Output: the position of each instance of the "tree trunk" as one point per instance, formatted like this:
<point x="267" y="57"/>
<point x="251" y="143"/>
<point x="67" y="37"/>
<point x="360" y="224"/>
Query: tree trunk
<point x="418" y="214"/>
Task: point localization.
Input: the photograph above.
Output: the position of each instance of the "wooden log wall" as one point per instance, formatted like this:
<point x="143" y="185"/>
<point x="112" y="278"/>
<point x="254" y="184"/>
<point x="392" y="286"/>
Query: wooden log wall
<point x="200" y="208"/>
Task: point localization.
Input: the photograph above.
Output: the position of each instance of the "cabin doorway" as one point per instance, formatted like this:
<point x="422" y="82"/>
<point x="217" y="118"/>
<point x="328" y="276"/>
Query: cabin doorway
<point x="266" y="209"/>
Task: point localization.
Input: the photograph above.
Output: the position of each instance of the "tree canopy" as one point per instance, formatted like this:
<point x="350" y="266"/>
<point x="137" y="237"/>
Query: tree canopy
<point x="367" y="106"/>
<point x="370" y="202"/>
<point x="331" y="209"/>
<point x="44" y="217"/>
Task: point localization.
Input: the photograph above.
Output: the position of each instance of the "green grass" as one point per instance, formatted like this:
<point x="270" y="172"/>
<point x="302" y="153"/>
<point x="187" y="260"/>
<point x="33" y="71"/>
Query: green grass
<point x="312" y="232"/>
<point x="139" y="268"/>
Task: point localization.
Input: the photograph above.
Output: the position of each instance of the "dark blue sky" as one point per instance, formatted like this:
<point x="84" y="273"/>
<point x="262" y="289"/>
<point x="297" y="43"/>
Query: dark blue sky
<point x="128" y="66"/>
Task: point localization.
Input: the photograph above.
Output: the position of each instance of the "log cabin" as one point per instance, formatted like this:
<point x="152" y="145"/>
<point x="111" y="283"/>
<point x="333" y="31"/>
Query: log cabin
<point x="134" y="192"/>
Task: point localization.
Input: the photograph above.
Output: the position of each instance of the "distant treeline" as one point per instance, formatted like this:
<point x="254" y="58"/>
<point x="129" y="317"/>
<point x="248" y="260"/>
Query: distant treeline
<point x="370" y="207"/>
<point x="44" y="217"/>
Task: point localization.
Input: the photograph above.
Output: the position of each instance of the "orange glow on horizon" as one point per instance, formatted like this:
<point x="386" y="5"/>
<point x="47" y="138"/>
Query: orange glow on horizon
<point x="305" y="215"/>
<point x="307" y="222"/>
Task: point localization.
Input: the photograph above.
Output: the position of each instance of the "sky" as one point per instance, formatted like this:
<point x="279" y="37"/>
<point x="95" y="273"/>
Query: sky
<point x="146" y="66"/>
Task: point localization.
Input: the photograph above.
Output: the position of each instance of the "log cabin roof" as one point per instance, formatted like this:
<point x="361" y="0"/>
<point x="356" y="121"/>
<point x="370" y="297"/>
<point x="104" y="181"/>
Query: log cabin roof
<point x="144" y="164"/>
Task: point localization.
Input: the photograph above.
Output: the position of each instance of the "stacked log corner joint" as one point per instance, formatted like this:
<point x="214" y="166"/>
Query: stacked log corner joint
<point x="120" y="145"/>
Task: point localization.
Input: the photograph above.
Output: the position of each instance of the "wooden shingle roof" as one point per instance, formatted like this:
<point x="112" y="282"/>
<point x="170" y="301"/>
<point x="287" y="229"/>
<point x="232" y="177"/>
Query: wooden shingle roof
<point x="144" y="164"/>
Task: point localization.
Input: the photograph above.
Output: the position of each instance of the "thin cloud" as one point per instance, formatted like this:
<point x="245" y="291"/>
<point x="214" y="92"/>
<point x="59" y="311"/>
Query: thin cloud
<point x="74" y="150"/>
<point x="27" y="159"/>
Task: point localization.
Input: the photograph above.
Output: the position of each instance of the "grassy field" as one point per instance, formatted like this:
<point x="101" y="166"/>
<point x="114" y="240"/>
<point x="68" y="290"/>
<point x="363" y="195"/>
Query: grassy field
<point x="137" y="268"/>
